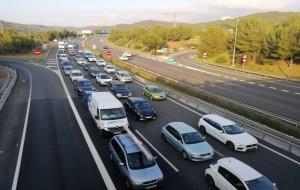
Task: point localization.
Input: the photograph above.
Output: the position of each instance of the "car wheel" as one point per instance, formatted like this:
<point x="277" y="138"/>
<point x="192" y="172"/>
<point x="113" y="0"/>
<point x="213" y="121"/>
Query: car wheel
<point x="210" y="182"/>
<point x="202" y="129"/>
<point x="230" y="145"/>
<point x="127" y="183"/>
<point x="184" y="155"/>
<point x="163" y="137"/>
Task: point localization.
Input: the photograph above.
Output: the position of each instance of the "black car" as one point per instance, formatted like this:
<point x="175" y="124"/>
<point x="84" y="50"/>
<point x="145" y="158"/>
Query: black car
<point x="105" y="47"/>
<point x="140" y="108"/>
<point x="83" y="85"/>
<point x="87" y="66"/>
<point x="93" y="71"/>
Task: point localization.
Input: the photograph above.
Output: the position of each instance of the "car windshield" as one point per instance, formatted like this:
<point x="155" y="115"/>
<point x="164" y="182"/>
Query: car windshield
<point x="81" y="59"/>
<point x="142" y="105"/>
<point x="111" y="114"/>
<point x="105" y="76"/>
<point x="156" y="90"/>
<point x="233" y="129"/>
<point x="84" y="83"/>
<point x="138" y="160"/>
<point x="121" y="87"/>
<point x="68" y="68"/>
<point x="261" y="183"/>
<point x="110" y="67"/>
<point x="192" y="138"/>
<point x="77" y="74"/>
<point x="124" y="74"/>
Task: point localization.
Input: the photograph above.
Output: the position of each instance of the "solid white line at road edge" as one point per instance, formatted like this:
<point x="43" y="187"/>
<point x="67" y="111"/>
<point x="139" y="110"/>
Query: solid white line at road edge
<point x="157" y="151"/>
<point x="103" y="171"/>
<point x="17" y="171"/>
<point x="276" y="152"/>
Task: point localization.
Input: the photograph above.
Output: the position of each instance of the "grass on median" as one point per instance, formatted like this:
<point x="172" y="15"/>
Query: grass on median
<point x="271" y="122"/>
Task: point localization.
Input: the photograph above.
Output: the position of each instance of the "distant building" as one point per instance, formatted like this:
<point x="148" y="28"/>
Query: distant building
<point x="86" y="32"/>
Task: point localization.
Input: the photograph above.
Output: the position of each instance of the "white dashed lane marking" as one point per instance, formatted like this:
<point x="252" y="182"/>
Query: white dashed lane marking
<point x="272" y="87"/>
<point x="285" y="91"/>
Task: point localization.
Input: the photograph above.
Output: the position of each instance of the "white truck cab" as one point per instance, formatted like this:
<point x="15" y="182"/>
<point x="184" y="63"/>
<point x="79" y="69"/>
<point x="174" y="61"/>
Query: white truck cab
<point x="107" y="112"/>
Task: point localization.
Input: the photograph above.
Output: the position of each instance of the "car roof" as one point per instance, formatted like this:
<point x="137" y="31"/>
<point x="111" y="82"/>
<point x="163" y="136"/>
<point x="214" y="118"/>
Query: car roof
<point x="136" y="99"/>
<point x="116" y="82"/>
<point x="76" y="71"/>
<point x="182" y="127"/>
<point x="82" y="79"/>
<point x="152" y="86"/>
<point x="68" y="66"/>
<point x="128" y="143"/>
<point x="123" y="72"/>
<point x="239" y="168"/>
<point x="220" y="120"/>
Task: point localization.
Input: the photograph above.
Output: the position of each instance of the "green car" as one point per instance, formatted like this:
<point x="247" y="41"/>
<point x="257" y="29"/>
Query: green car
<point x="154" y="92"/>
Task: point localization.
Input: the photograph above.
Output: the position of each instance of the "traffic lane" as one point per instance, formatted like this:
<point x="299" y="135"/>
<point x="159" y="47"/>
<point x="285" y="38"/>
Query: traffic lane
<point x="101" y="145"/>
<point x="12" y="118"/>
<point x="55" y="153"/>
<point x="266" y="81"/>
<point x="151" y="130"/>
<point x="269" y="101"/>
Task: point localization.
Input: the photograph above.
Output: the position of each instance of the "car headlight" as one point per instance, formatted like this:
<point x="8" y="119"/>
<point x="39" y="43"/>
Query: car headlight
<point x="130" y="94"/>
<point x="240" y="145"/>
<point x="140" y="114"/>
<point x="119" y="94"/>
<point x="137" y="182"/>
<point x="80" y="90"/>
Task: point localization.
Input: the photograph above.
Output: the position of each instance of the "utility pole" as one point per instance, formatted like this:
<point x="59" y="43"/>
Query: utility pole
<point x="235" y="35"/>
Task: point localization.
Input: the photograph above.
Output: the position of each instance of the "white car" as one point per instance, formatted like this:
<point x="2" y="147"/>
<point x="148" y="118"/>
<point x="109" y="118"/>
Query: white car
<point x="62" y="57"/>
<point x="123" y="76"/>
<point x="81" y="61"/>
<point x="228" y="132"/>
<point x="123" y="58"/>
<point x="100" y="62"/>
<point x="92" y="59"/>
<point x="76" y="75"/>
<point x="127" y="53"/>
<point x="103" y="79"/>
<point x="232" y="174"/>
<point x="109" y="69"/>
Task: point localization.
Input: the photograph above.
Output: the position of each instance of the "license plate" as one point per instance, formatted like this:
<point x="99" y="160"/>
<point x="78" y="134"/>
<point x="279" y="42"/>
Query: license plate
<point x="148" y="117"/>
<point x="119" y="132"/>
<point x="150" y="187"/>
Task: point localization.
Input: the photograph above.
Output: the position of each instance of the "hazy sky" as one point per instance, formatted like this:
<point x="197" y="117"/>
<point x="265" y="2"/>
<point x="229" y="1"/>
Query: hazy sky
<point x="110" y="12"/>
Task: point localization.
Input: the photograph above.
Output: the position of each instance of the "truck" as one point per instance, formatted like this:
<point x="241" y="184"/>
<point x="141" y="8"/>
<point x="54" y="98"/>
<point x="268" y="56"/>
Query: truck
<point x="108" y="113"/>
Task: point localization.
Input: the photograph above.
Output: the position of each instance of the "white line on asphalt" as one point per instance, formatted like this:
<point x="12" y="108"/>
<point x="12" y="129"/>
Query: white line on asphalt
<point x="192" y="68"/>
<point x="251" y="82"/>
<point x="261" y="85"/>
<point x="226" y="77"/>
<point x="157" y="151"/>
<point x="285" y="90"/>
<point x="242" y="80"/>
<point x="297" y="93"/>
<point x="233" y="78"/>
<point x="220" y="80"/>
<point x="272" y="87"/>
<point x="20" y="154"/>
<point x="280" y="154"/>
<point x="103" y="171"/>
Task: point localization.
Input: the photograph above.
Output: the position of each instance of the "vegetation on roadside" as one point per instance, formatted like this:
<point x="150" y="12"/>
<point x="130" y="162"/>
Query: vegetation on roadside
<point x="12" y="42"/>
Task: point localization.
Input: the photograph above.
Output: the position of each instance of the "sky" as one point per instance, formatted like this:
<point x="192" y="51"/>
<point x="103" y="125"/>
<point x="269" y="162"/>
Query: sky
<point x="110" y="12"/>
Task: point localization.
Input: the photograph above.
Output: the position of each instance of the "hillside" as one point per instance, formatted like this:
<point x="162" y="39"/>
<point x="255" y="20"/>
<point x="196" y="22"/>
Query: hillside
<point x="269" y="17"/>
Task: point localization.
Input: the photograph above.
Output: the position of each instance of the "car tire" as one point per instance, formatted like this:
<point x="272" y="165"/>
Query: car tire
<point x="210" y="182"/>
<point x="163" y="137"/>
<point x="230" y="145"/>
<point x="202" y="129"/>
<point x="127" y="184"/>
<point x="184" y="155"/>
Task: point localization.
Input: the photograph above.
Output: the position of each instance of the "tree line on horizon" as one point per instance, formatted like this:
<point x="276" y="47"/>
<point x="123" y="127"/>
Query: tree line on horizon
<point x="260" y="41"/>
<point x="23" y="42"/>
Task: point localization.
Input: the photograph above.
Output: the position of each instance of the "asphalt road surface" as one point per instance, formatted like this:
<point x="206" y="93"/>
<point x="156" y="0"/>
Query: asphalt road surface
<point x="191" y="174"/>
<point x="272" y="95"/>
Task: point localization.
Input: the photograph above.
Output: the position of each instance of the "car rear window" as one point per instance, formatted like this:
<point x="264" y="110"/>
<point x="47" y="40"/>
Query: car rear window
<point x="138" y="161"/>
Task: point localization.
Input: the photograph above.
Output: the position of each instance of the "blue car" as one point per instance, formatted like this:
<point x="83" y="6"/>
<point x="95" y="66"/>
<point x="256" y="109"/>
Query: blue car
<point x="140" y="108"/>
<point x="119" y="89"/>
<point x="188" y="141"/>
<point x="93" y="71"/>
<point x="87" y="66"/>
<point x="86" y="98"/>
<point x="83" y="85"/>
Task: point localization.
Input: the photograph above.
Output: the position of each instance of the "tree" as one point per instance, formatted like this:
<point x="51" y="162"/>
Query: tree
<point x="288" y="38"/>
<point x="251" y="36"/>
<point x="213" y="41"/>
<point x="153" y="41"/>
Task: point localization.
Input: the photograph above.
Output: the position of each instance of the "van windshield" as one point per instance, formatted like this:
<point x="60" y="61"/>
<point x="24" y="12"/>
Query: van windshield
<point x="111" y="114"/>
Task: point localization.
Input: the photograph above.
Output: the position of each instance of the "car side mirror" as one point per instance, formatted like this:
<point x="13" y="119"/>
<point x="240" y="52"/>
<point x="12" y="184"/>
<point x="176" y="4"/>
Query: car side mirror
<point x="221" y="131"/>
<point x="121" y="163"/>
<point x="97" y="117"/>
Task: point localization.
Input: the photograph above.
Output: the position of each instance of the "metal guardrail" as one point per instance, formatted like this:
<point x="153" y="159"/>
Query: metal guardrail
<point x="7" y="88"/>
<point x="263" y="132"/>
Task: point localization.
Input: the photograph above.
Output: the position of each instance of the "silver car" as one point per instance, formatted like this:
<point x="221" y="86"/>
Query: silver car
<point x="123" y="76"/>
<point x="139" y="171"/>
<point x="68" y="69"/>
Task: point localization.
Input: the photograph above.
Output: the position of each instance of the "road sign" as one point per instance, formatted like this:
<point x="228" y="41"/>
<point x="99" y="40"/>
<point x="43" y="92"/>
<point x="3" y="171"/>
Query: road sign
<point x="244" y="58"/>
<point x="37" y="52"/>
<point x="108" y="53"/>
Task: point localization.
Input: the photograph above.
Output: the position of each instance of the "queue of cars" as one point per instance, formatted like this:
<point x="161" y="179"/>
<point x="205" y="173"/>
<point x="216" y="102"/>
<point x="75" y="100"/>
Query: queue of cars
<point x="131" y="156"/>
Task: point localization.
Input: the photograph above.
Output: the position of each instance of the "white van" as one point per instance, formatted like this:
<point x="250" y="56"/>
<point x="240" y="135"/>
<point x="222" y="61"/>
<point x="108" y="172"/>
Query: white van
<point x="107" y="112"/>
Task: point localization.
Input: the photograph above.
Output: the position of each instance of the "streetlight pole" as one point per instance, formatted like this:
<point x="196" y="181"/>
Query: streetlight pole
<point x="235" y="35"/>
<point x="1" y="26"/>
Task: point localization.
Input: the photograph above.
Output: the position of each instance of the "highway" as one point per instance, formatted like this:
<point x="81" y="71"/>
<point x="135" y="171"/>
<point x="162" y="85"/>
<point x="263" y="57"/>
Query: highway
<point x="183" y="174"/>
<point x="56" y="156"/>
<point x="264" y="93"/>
